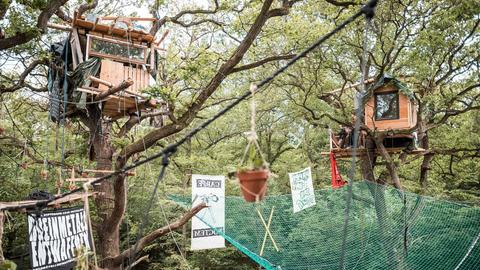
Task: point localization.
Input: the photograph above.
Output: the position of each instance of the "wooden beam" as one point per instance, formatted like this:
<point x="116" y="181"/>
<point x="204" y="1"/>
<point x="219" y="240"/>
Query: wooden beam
<point x="122" y="86"/>
<point x="111" y="18"/>
<point x="30" y="204"/>
<point x="104" y="29"/>
<point x="61" y="27"/>
<point x="100" y="81"/>
<point x="165" y="34"/>
<point x="84" y="179"/>
<point x="95" y="23"/>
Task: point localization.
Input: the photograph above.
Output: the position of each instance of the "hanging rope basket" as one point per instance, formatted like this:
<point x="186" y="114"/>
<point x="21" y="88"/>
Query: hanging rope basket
<point x="253" y="172"/>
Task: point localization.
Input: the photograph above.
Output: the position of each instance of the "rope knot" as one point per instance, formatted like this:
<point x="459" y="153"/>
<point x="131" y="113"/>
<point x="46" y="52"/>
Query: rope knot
<point x="251" y="135"/>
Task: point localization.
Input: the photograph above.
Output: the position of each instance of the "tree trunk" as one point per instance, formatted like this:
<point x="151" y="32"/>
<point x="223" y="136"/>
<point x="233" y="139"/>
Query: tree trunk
<point x="107" y="229"/>
<point x="427" y="159"/>
<point x="367" y="162"/>
<point x="378" y="194"/>
<point x="392" y="169"/>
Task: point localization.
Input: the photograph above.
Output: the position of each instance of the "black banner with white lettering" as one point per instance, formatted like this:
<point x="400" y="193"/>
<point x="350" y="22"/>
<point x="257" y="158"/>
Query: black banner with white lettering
<point x="55" y="235"/>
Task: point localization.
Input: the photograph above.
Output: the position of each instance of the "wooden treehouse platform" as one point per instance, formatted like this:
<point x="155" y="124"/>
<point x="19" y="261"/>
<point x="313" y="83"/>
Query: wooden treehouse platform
<point x="128" y="58"/>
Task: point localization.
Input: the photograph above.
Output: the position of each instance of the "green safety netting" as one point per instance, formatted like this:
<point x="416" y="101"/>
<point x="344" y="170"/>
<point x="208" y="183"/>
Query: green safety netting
<point x="386" y="230"/>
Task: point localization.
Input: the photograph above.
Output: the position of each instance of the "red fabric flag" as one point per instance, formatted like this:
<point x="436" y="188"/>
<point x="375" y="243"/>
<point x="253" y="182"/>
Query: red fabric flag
<point x="337" y="180"/>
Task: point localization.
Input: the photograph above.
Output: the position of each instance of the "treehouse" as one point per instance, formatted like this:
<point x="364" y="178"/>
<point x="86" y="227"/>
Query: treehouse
<point x="389" y="108"/>
<point x="108" y="61"/>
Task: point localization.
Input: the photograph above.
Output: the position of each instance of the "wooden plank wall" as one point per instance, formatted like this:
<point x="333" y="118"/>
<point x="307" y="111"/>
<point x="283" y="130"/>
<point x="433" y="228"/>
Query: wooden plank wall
<point x="116" y="72"/>
<point x="406" y="117"/>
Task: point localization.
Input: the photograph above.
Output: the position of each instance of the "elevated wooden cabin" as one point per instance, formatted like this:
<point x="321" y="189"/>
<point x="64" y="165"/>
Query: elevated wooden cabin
<point x="389" y="108"/>
<point x="111" y="61"/>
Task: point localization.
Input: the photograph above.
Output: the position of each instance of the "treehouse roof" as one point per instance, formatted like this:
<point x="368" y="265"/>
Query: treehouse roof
<point x="122" y="27"/>
<point x="389" y="80"/>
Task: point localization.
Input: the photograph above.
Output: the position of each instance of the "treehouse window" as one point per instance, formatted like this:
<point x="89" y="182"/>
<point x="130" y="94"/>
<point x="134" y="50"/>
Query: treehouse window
<point x="387" y="106"/>
<point x="117" y="50"/>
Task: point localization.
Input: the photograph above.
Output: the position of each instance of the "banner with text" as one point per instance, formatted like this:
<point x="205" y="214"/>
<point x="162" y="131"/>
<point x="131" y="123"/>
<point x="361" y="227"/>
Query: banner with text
<point x="303" y="195"/>
<point x="55" y="235"/>
<point x="211" y="190"/>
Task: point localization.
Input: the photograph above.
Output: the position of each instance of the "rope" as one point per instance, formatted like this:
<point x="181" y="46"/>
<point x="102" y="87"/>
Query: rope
<point x="172" y="148"/>
<point x="65" y="99"/>
<point x="146" y="211"/>
<point x="468" y="252"/>
<point x="369" y="11"/>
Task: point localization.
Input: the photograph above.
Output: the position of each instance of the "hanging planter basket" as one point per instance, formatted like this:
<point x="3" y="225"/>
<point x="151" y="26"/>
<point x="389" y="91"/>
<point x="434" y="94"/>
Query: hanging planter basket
<point x="253" y="173"/>
<point x="253" y="184"/>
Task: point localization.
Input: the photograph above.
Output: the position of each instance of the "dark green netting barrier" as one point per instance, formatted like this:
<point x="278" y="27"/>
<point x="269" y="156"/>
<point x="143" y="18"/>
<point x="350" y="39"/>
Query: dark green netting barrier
<point x="387" y="229"/>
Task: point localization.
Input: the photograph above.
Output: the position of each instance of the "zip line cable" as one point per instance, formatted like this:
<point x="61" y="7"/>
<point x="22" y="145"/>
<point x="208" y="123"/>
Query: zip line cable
<point x="369" y="14"/>
<point x="172" y="148"/>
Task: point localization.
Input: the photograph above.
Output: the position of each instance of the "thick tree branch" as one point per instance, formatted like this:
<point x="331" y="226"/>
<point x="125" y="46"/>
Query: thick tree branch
<point x="161" y="22"/>
<point x="112" y="90"/>
<point x="63" y="15"/>
<point x="24" y="37"/>
<point x="4" y="5"/>
<point x="21" y="80"/>
<point x="342" y="4"/>
<point x="131" y="122"/>
<point x="146" y="240"/>
<point x="262" y="62"/>
<point x="86" y="7"/>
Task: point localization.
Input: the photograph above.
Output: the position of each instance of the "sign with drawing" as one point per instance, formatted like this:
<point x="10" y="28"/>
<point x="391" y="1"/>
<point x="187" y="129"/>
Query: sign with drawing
<point x="301" y="184"/>
<point x="211" y="190"/>
<point x="54" y="237"/>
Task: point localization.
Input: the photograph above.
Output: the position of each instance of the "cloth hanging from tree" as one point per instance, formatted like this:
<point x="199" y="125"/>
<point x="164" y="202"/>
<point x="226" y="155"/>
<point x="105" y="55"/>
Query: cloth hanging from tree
<point x="337" y="180"/>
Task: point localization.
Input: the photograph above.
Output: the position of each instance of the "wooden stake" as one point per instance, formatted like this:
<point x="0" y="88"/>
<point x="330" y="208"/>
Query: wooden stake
<point x="100" y="81"/>
<point x="267" y="230"/>
<point x="59" y="26"/>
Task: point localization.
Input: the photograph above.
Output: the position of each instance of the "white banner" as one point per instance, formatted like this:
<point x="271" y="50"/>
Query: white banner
<point x="55" y="235"/>
<point x="211" y="190"/>
<point x="303" y="195"/>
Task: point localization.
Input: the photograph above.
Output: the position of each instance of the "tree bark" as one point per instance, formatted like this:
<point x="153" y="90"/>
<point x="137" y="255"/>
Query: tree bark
<point x="24" y="37"/>
<point x="392" y="169"/>
<point x="108" y="234"/>
<point x="427" y="159"/>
